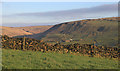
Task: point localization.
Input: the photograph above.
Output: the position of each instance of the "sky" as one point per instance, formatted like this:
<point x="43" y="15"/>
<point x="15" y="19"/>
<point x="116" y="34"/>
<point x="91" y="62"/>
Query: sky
<point x="60" y="0"/>
<point x="19" y="14"/>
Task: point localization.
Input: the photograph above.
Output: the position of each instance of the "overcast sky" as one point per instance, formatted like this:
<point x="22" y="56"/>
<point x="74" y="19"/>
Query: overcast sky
<point x="17" y="14"/>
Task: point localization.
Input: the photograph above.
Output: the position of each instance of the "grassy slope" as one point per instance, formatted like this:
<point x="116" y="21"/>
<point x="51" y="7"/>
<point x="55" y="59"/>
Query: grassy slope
<point x="34" y="29"/>
<point x="37" y="60"/>
<point x="13" y="31"/>
<point x="109" y="36"/>
<point x="19" y="31"/>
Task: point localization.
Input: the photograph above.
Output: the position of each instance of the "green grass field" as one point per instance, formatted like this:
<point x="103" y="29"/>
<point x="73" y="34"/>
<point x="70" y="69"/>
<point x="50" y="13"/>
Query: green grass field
<point x="17" y="59"/>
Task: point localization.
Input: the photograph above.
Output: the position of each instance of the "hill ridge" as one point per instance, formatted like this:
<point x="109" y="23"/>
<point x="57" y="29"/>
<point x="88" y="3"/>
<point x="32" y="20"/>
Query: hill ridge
<point x="83" y="29"/>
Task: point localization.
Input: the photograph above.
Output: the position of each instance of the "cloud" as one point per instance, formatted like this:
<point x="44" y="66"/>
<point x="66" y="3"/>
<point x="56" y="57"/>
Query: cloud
<point x="108" y="10"/>
<point x="93" y="12"/>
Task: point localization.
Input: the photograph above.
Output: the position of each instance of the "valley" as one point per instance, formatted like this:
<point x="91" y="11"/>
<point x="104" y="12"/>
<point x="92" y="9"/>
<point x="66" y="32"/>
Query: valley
<point x="84" y="44"/>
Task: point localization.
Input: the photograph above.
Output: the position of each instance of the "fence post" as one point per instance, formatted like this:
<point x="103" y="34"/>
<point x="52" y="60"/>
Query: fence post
<point x="23" y="43"/>
<point x="14" y="43"/>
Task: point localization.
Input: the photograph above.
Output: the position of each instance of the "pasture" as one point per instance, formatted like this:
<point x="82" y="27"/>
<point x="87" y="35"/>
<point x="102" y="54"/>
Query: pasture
<point x="18" y="59"/>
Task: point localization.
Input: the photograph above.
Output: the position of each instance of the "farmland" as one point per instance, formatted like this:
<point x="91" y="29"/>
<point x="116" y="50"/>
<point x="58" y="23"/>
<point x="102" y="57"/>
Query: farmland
<point x="17" y="59"/>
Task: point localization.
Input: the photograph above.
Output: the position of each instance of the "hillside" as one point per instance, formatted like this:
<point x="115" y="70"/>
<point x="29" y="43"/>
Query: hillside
<point x="10" y="31"/>
<point x="19" y="31"/>
<point x="103" y="30"/>
<point x="34" y="29"/>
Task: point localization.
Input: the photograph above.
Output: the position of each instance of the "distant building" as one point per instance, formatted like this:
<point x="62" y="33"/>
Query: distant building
<point x="67" y="41"/>
<point x="71" y="39"/>
<point x="81" y="39"/>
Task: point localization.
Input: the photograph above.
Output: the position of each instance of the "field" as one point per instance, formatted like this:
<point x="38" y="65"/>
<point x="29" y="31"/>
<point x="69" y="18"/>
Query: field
<point x="21" y="31"/>
<point x="17" y="59"/>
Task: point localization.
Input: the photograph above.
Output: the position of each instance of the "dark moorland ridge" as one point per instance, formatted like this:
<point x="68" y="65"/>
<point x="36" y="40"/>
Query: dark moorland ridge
<point x="38" y="45"/>
<point x="103" y="30"/>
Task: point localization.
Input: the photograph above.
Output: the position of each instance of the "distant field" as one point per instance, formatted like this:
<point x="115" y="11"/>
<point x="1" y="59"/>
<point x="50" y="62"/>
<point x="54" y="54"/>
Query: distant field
<point x="17" y="59"/>
<point x="10" y="31"/>
<point x="20" y="31"/>
<point x="35" y="29"/>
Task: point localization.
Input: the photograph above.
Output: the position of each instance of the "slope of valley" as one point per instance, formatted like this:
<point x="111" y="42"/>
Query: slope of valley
<point x="20" y="31"/>
<point x="34" y="29"/>
<point x="104" y="31"/>
<point x="10" y="31"/>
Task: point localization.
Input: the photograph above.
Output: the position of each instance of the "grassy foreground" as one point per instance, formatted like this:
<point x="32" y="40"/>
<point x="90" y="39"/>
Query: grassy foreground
<point x="17" y="59"/>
